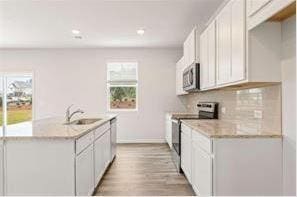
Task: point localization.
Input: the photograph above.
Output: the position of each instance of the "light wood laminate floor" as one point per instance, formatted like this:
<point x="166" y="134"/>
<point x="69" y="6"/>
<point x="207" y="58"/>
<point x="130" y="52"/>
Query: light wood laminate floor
<point x="143" y="170"/>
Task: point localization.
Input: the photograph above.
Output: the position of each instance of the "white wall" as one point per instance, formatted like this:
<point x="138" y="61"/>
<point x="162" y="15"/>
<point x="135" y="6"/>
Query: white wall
<point x="66" y="76"/>
<point x="289" y="105"/>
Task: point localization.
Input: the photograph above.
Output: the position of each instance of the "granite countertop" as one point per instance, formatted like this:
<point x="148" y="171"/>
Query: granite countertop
<point x="231" y="129"/>
<point x="54" y="128"/>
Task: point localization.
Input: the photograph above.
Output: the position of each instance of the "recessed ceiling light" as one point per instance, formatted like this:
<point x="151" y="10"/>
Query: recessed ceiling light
<point x="140" y="31"/>
<point x="75" y="31"/>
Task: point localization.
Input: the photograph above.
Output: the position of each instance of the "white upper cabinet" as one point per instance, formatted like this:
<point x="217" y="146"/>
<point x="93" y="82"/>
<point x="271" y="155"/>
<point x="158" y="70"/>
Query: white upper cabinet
<point x="191" y="48"/>
<point x="231" y="43"/>
<point x="224" y="45"/>
<point x="208" y="57"/>
<point x="259" y="11"/>
<point x="237" y="40"/>
<point x="231" y="55"/>
<point x="240" y="46"/>
<point x="204" y="60"/>
<point x="255" y="5"/>
<point x="180" y="66"/>
<point x="211" y="37"/>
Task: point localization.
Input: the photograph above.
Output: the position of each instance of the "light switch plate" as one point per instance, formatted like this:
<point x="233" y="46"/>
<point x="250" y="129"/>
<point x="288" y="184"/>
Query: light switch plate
<point x="258" y="114"/>
<point x="223" y="110"/>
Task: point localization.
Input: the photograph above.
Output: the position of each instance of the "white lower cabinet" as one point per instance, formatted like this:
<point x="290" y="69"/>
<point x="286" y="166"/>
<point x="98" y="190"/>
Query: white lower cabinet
<point x="201" y="171"/>
<point x="232" y="166"/>
<point x="186" y="153"/>
<point x="98" y="159"/>
<point x="168" y="125"/>
<point x="85" y="172"/>
<point x="55" y="167"/>
<point x="106" y="148"/>
<point x="102" y="148"/>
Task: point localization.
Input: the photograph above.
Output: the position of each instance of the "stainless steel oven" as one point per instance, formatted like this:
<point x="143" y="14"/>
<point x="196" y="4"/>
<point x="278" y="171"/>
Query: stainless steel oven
<point x="176" y="142"/>
<point x="206" y="110"/>
<point x="191" y="78"/>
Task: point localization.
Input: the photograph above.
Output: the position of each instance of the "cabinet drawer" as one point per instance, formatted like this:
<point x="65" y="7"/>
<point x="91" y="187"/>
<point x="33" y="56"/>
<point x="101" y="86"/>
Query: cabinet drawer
<point x="84" y="141"/>
<point x="186" y="130"/>
<point x="100" y="130"/>
<point x="203" y="142"/>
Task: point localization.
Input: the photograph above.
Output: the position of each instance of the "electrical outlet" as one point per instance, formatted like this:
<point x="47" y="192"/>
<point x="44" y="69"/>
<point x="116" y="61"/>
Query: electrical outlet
<point x="258" y="114"/>
<point x="223" y="110"/>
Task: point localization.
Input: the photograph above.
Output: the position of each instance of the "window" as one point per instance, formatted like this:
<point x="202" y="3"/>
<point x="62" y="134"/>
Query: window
<point x="122" y="86"/>
<point x="15" y="102"/>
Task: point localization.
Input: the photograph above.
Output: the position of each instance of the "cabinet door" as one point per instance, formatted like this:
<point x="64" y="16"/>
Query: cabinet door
<point x="204" y="60"/>
<point x="192" y="47"/>
<point x="85" y="172"/>
<point x="113" y="140"/>
<point x="211" y="47"/>
<point x="186" y="52"/>
<point x="106" y="148"/>
<point x="208" y="56"/>
<point x="201" y="171"/>
<point x="180" y="65"/>
<point x="238" y="41"/>
<point x="98" y="157"/>
<point x="186" y="155"/>
<point x="224" y="45"/>
<point x="169" y="132"/>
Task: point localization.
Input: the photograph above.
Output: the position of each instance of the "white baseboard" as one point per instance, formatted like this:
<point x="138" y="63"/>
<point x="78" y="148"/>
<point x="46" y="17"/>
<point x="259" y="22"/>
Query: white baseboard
<point x="141" y="141"/>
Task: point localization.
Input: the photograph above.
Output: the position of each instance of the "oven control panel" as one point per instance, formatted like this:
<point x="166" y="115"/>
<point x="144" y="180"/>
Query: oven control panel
<point x="208" y="110"/>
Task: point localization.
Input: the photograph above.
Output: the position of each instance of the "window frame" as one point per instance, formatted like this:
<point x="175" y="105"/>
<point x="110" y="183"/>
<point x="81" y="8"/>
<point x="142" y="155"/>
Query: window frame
<point x="3" y="77"/>
<point x="121" y="83"/>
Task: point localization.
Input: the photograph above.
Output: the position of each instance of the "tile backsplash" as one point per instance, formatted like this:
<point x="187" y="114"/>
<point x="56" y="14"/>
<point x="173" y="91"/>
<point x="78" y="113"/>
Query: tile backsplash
<point x="240" y="105"/>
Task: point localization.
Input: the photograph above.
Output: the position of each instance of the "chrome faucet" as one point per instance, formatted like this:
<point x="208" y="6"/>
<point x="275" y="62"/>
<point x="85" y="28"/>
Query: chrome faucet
<point x="69" y="115"/>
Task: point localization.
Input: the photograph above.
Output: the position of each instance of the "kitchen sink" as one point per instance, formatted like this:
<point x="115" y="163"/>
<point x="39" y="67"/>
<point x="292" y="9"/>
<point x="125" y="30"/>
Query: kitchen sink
<point x="84" y="121"/>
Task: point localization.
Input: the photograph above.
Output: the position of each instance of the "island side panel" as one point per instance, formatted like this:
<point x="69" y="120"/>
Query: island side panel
<point x="40" y="167"/>
<point x="247" y="166"/>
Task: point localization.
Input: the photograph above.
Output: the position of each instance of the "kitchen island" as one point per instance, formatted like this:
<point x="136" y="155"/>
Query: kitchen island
<point x="54" y="158"/>
<point x="231" y="158"/>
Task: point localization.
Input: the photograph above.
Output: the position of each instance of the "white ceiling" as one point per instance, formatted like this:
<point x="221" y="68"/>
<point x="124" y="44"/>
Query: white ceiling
<point x="103" y="23"/>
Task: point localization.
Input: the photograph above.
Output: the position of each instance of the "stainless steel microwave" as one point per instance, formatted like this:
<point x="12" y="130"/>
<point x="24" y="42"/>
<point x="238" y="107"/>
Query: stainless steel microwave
<point x="191" y="78"/>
